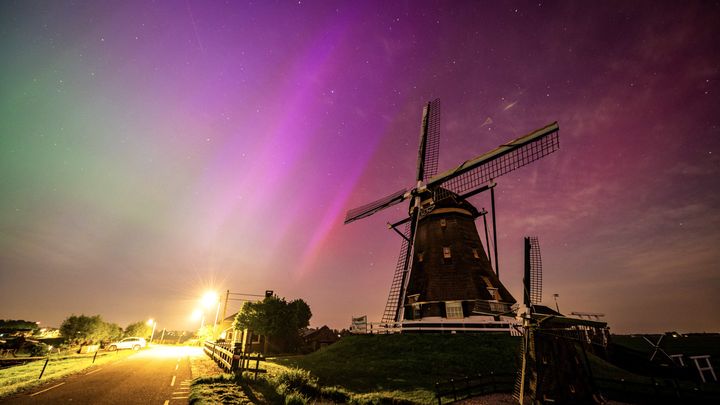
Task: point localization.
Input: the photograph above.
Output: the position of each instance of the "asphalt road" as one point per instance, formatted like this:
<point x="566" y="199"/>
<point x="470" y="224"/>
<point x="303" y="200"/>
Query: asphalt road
<point x="158" y="375"/>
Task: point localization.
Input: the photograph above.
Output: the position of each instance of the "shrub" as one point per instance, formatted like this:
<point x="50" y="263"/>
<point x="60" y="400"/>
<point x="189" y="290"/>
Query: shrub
<point x="296" y="380"/>
<point x="295" y="398"/>
<point x="39" y="349"/>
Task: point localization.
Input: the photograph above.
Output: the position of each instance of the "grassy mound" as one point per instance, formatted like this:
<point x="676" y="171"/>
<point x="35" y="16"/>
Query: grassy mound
<point x="407" y="362"/>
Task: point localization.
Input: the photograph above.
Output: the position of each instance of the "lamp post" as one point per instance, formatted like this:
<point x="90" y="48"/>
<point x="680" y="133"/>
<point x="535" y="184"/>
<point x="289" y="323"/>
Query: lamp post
<point x="154" y="324"/>
<point x="208" y="300"/>
<point x="555" y="296"/>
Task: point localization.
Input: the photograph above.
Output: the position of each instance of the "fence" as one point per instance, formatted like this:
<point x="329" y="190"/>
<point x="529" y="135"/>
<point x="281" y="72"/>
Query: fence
<point x="481" y="384"/>
<point x="658" y="391"/>
<point x="655" y="391"/>
<point x="232" y="359"/>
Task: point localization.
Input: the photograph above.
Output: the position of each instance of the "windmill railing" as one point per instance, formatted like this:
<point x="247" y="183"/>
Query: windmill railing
<point x="447" y="326"/>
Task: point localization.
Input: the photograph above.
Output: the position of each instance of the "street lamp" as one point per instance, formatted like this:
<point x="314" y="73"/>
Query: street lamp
<point x="154" y="324"/>
<point x="555" y="296"/>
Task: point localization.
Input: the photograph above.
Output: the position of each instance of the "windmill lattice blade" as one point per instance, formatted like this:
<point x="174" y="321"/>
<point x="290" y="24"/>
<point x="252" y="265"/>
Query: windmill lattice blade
<point x="479" y="171"/>
<point x="432" y="141"/>
<point x="375" y="206"/>
<point x="535" y="271"/>
<point x="396" y="286"/>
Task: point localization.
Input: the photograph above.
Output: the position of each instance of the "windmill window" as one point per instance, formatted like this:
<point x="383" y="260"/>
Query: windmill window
<point x="493" y="293"/>
<point x="453" y="310"/>
<point x="446" y="252"/>
<point x="443" y="223"/>
<point x="476" y="254"/>
<point x="421" y="256"/>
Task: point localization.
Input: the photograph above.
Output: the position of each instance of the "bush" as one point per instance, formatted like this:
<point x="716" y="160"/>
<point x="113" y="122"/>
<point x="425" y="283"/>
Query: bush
<point x="39" y="349"/>
<point x="295" y="398"/>
<point x="296" y="380"/>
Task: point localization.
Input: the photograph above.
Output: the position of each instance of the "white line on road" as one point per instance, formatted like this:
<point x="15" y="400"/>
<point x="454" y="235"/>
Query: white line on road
<point x="167" y="401"/>
<point x="94" y="371"/>
<point x="172" y="383"/>
<point x="176" y="366"/>
<point x="47" y="389"/>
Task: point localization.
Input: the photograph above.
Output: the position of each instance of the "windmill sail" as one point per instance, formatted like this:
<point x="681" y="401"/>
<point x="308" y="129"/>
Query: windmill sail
<point x="375" y="206"/>
<point x="391" y="307"/>
<point x="535" y="271"/>
<point x="477" y="172"/>
<point x="429" y="151"/>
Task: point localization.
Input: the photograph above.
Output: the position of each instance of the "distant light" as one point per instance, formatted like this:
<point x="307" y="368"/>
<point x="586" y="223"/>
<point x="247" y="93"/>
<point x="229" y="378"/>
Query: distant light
<point x="196" y="315"/>
<point x="150" y="322"/>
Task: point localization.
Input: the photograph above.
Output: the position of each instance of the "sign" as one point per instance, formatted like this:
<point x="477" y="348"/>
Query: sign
<point x="359" y="324"/>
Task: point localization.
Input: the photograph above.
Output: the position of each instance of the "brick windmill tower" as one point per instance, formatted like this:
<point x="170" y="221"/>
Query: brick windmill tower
<point x="443" y="273"/>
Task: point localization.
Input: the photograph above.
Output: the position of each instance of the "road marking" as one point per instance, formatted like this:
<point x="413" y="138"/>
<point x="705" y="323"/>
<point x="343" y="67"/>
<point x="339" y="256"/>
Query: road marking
<point x="47" y="389"/>
<point x="167" y="401"/>
<point x="176" y="366"/>
<point x="180" y="397"/>
<point x="172" y="383"/>
<point x="94" y="371"/>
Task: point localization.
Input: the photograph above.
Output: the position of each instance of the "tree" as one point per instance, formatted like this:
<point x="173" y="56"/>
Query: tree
<point x="89" y="329"/>
<point x="139" y="329"/>
<point x="14" y="325"/>
<point x="277" y="319"/>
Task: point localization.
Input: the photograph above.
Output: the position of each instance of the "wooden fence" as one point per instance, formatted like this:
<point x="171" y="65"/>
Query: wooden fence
<point x="481" y="384"/>
<point x="658" y="390"/>
<point x="655" y="391"/>
<point x="232" y="359"/>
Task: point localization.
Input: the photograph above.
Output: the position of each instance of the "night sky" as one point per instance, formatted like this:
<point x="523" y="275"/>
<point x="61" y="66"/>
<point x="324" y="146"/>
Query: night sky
<point x="150" y="151"/>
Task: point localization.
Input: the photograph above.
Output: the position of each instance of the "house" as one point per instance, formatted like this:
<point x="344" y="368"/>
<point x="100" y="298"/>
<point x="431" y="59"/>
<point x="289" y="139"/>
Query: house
<point x="315" y="339"/>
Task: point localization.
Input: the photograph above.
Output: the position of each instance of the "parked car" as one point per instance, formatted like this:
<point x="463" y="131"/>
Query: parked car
<point x="135" y="343"/>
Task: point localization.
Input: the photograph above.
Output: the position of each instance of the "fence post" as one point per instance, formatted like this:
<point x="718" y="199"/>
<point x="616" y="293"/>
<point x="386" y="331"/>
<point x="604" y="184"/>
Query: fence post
<point x="437" y="393"/>
<point x="492" y="381"/>
<point x="452" y="382"/>
<point x="467" y="387"/>
<point x="257" y="365"/>
<point x="96" y="352"/>
<point x="45" y="365"/>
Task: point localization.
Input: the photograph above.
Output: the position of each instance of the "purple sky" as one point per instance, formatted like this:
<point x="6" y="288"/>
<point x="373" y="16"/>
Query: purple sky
<point x="150" y="151"/>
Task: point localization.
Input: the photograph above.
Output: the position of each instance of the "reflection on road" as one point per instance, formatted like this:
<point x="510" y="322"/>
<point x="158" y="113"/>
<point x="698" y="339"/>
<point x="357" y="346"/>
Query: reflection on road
<point x="162" y="351"/>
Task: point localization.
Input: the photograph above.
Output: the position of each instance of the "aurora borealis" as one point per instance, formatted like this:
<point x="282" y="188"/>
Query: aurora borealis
<point x="151" y="150"/>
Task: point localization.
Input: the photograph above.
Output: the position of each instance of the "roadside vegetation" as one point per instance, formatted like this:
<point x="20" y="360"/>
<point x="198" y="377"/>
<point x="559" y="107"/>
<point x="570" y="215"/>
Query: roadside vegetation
<point x="13" y="379"/>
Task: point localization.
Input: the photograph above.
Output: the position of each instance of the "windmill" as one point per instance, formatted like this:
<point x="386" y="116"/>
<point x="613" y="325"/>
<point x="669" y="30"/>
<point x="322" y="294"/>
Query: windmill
<point x="554" y="366"/>
<point x="443" y="271"/>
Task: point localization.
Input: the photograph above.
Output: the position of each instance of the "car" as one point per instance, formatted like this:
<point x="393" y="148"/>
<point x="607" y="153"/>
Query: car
<point x="135" y="343"/>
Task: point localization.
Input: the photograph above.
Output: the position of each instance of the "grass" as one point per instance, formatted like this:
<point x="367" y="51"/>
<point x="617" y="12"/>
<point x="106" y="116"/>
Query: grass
<point x="406" y="366"/>
<point x="13" y="379"/>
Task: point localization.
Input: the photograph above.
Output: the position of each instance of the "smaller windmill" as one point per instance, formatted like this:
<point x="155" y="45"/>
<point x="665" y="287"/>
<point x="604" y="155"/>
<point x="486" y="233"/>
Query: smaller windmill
<point x="553" y="368"/>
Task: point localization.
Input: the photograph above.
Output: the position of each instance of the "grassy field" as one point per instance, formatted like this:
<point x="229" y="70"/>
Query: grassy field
<point x="16" y="378"/>
<point x="374" y="369"/>
<point x="407" y="366"/>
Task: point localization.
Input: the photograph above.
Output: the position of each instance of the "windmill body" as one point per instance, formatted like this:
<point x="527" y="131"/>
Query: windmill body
<point x="451" y="273"/>
<point x="443" y="272"/>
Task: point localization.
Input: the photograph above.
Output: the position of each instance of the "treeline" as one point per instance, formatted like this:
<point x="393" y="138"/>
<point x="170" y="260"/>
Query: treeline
<point x="13" y="325"/>
<point x="82" y="329"/>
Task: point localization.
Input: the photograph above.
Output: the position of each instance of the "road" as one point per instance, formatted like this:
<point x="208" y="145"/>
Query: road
<point x="157" y="375"/>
